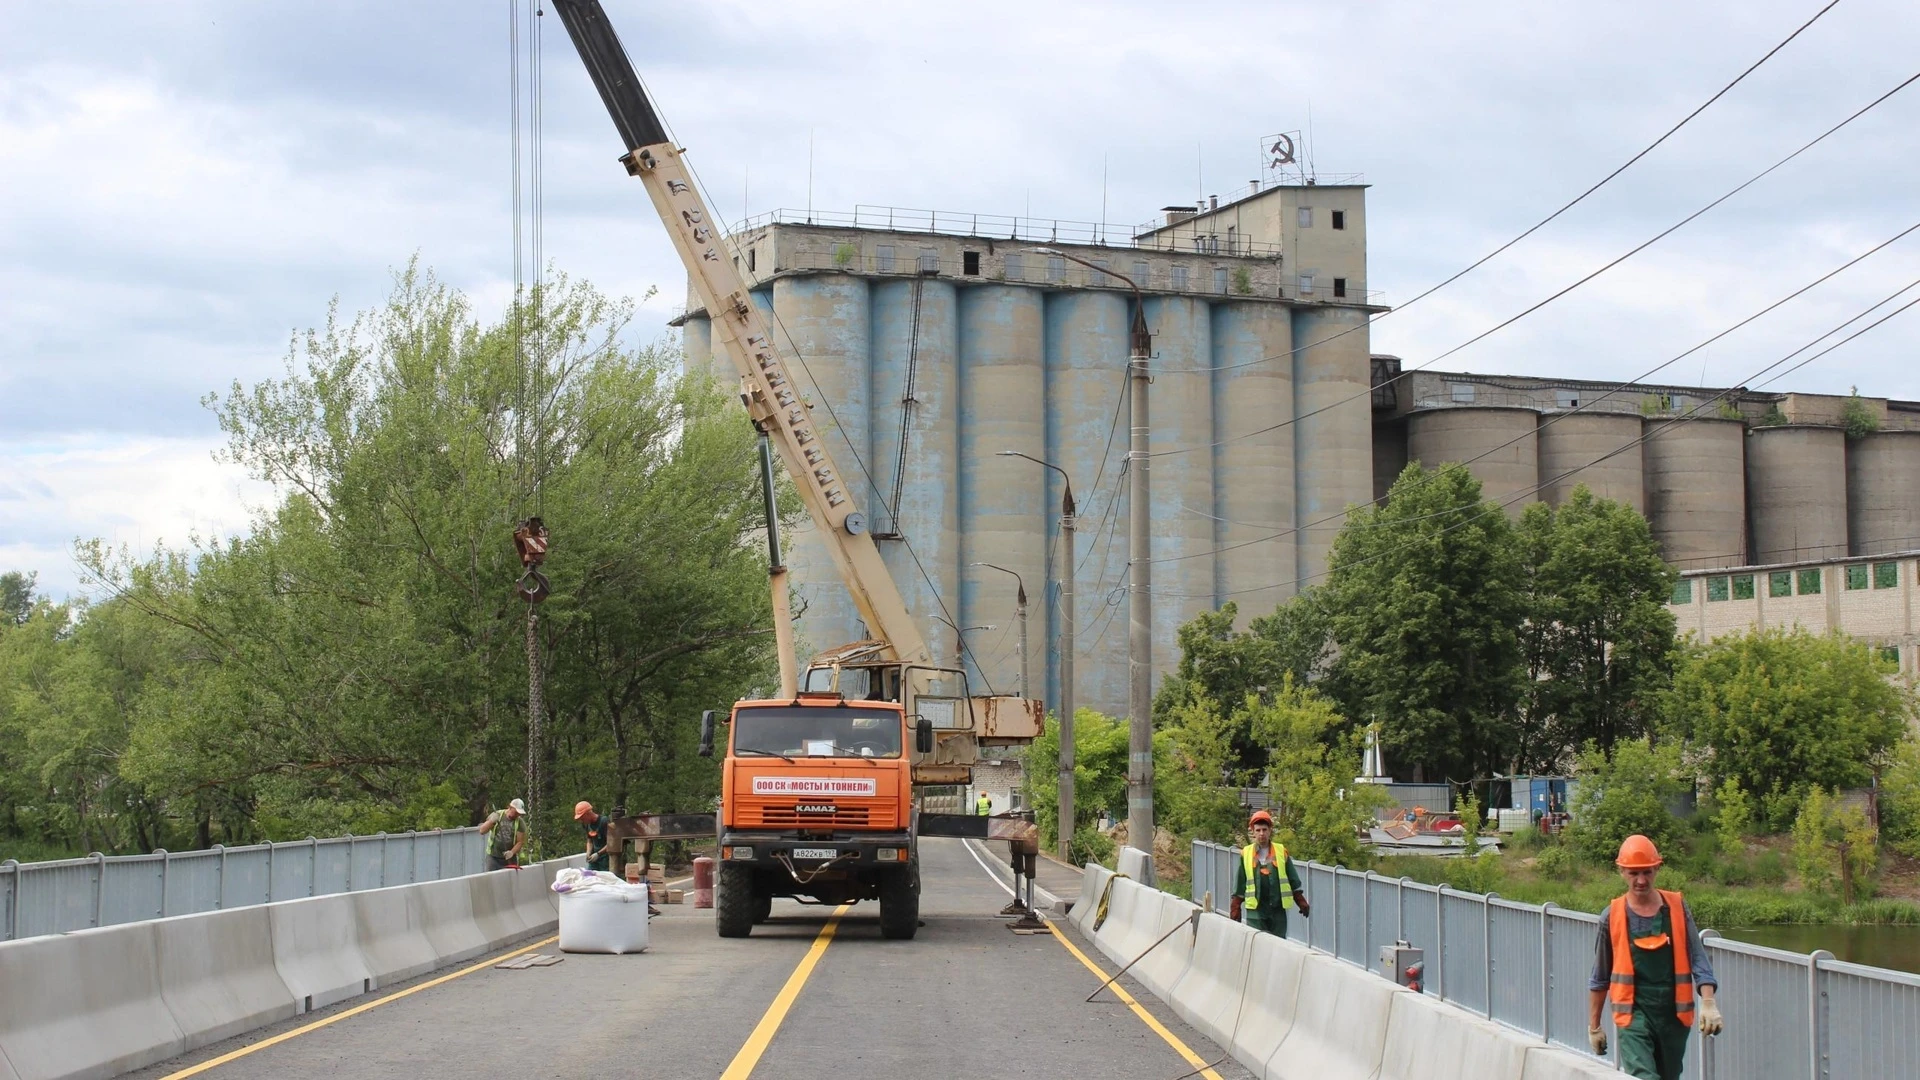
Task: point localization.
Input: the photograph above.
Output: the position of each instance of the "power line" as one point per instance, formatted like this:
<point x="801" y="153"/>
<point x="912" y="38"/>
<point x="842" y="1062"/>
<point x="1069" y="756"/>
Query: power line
<point x="1693" y="414"/>
<point x="1510" y="320"/>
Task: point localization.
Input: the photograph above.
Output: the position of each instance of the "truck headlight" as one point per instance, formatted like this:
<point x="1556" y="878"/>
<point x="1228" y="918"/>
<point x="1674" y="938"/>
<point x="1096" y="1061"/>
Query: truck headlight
<point x="887" y="854"/>
<point x="740" y="853"/>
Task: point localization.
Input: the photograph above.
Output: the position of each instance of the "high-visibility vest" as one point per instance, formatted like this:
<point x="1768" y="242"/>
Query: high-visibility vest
<point x="985" y="805"/>
<point x="1252" y="899"/>
<point x="1620" y="982"/>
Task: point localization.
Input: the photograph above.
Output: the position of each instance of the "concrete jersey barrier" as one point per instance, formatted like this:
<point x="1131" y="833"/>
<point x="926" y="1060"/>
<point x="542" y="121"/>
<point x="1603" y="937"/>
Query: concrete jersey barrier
<point x="1172" y="926"/>
<point x="1213" y="992"/>
<point x="1339" y="1029"/>
<point x="217" y="974"/>
<point x="316" y="947"/>
<point x="392" y="934"/>
<point x="448" y="920"/>
<point x="1093" y="882"/>
<point x="1132" y="912"/>
<point x="495" y="911"/>
<point x="1431" y="1040"/>
<point x="1552" y="1063"/>
<point x="1274" y="969"/>
<point x="95" y="1008"/>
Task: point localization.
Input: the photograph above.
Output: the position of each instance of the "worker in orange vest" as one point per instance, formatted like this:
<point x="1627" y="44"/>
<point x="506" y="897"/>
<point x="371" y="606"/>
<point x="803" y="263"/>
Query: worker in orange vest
<point x="1648" y="968"/>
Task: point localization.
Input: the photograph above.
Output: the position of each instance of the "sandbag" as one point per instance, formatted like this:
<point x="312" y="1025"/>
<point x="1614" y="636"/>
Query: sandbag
<point x="603" y="920"/>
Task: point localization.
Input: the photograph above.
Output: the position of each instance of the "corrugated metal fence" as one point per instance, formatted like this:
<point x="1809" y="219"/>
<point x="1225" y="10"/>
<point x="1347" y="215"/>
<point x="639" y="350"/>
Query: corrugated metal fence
<point x="102" y="890"/>
<point x="1788" y="1014"/>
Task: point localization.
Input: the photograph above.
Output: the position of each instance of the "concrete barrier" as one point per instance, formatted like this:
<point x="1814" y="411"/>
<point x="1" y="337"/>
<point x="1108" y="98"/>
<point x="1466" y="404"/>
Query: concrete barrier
<point x="316" y="948"/>
<point x="495" y="914"/>
<point x="1163" y="968"/>
<point x="1339" y="1027"/>
<point x="447" y="918"/>
<point x="1431" y="1040"/>
<point x="1136" y="864"/>
<point x="533" y="898"/>
<point x="1274" y="968"/>
<point x="1211" y="994"/>
<point x="1132" y="912"/>
<point x="1093" y="881"/>
<point x="1552" y="1063"/>
<point x="392" y="934"/>
<point x="217" y="974"/>
<point x="6" y="1068"/>
<point x="85" y="1004"/>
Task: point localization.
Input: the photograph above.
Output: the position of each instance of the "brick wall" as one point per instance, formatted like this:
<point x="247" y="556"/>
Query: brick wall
<point x="1871" y="599"/>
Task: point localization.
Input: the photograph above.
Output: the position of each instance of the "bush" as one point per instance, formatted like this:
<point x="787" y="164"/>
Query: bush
<point x="1734" y="816"/>
<point x="1557" y="861"/>
<point x="1768" y="868"/>
<point x="1626" y="795"/>
<point x="1900" y="800"/>
<point x="1090" y="845"/>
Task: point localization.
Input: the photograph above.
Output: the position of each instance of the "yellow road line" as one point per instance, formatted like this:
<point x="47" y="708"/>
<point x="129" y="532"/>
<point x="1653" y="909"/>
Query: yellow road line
<point x="195" y="1070"/>
<point x="769" y="1025"/>
<point x="1139" y="1010"/>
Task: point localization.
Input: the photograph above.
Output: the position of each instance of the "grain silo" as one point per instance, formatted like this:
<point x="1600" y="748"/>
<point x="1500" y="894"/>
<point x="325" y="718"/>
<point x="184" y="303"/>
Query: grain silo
<point x="1696" y="482"/>
<point x="1601" y="450"/>
<point x="1500" y="447"/>
<point x="1883" y="492"/>
<point x="1797" y="493"/>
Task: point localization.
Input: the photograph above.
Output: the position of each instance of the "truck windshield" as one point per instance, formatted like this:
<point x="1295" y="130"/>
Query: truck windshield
<point x="826" y="731"/>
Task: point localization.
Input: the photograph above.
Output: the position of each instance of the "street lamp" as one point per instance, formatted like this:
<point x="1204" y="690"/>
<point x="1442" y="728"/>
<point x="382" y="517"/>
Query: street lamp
<point x="959" y="647"/>
<point x="1065" y="838"/>
<point x="1139" y="577"/>
<point x="1020" y="612"/>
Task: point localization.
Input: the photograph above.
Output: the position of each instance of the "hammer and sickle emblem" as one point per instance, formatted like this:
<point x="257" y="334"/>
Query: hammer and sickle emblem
<point x="1282" y="150"/>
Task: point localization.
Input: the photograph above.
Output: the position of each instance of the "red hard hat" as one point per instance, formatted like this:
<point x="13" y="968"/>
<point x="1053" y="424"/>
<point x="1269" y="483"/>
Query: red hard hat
<point x="1637" y="853"/>
<point x="1260" y="817"/>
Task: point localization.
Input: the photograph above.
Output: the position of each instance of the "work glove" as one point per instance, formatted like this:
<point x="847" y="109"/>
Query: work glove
<point x="1233" y="908"/>
<point x="1710" y="1020"/>
<point x="1306" y="909"/>
<point x="1597" y="1038"/>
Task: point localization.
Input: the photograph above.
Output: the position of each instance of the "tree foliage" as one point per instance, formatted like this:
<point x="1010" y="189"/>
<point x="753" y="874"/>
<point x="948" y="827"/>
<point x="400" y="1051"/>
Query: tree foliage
<point x="357" y="659"/>
<point x="1424" y="604"/>
<point x="1630" y="792"/>
<point x="1099" y="772"/>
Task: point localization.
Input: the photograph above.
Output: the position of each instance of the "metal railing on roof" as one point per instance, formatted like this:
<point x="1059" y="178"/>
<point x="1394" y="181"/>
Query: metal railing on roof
<point x="105" y="890"/>
<point x="1003" y="227"/>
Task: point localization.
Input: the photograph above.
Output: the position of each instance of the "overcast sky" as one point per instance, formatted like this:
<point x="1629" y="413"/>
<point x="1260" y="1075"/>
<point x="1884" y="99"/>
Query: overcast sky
<point x="182" y="185"/>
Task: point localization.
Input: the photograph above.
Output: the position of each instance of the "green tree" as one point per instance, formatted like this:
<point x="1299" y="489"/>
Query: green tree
<point x="1099" y="772"/>
<point x="1781" y="710"/>
<point x="1734" y="817"/>
<point x="1900" y="799"/>
<point x="16" y="596"/>
<point x="1629" y="792"/>
<point x="1312" y="758"/>
<point x="1598" y="637"/>
<point x="1858" y="420"/>
<point x="1424" y="602"/>
<point x="1834" y="841"/>
<point x="1220" y="666"/>
<point x="1197" y="779"/>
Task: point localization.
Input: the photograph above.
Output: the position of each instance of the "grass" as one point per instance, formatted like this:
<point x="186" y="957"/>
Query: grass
<point x="1747" y="889"/>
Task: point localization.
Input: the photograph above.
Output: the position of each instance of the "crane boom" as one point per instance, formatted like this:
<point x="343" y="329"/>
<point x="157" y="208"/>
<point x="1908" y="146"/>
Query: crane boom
<point x="767" y="382"/>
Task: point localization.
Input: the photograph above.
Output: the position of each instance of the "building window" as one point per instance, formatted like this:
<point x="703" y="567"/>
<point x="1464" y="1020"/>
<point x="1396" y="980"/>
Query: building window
<point x="1220" y="279"/>
<point x="929" y="261"/>
<point x="1462" y="392"/>
<point x="1780" y="583"/>
<point x="1304" y="217"/>
<point x="1566" y="399"/>
<point x="1339" y="287"/>
<point x="1716" y="589"/>
<point x="883" y="258"/>
<point x="1886" y="575"/>
<point x="1809" y="582"/>
<point x="1097" y="273"/>
<point x="1891" y="654"/>
<point x="1140" y="275"/>
<point x="1682" y="592"/>
<point x="1339" y="219"/>
<point x="1179" y="275"/>
<point x="1016" y="271"/>
<point x="1306" y="284"/>
<point x="1856" y="577"/>
<point x="1056" y="269"/>
<point x="970" y="263"/>
<point x="1743" y="586"/>
<point x="750" y="260"/>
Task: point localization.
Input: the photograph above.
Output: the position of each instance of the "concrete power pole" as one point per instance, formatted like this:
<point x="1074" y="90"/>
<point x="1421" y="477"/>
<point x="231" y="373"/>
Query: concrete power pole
<point x="1066" y="829"/>
<point x="1139" y="599"/>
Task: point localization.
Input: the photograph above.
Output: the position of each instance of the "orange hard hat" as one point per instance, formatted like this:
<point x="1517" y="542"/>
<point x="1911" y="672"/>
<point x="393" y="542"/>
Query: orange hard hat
<point x="1260" y="817"/>
<point x="1638" y="853"/>
<point x="582" y="809"/>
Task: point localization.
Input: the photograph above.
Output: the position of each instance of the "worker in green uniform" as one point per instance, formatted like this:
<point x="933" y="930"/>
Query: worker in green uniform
<point x="506" y="833"/>
<point x="1648" y="969"/>
<point x="1260" y="896"/>
<point x="983" y="807"/>
<point x="595" y="823"/>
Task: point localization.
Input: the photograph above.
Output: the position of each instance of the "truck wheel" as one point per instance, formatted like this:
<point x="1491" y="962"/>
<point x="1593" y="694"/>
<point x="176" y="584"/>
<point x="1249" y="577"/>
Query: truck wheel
<point x="762" y="907"/>
<point x="900" y="904"/>
<point x="733" y="904"/>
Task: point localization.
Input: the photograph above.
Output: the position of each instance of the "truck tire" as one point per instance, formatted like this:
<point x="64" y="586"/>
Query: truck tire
<point x="762" y="907"/>
<point x="733" y="903"/>
<point x="900" y="904"/>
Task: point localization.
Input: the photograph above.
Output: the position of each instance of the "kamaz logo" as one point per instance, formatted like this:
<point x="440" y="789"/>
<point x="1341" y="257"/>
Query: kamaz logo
<point x="815" y="808"/>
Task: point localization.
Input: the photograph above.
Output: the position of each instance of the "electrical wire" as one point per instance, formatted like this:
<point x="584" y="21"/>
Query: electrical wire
<point x="1510" y="320"/>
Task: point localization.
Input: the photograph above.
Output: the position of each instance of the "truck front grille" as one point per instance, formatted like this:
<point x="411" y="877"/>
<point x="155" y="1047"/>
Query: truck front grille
<point x="846" y="817"/>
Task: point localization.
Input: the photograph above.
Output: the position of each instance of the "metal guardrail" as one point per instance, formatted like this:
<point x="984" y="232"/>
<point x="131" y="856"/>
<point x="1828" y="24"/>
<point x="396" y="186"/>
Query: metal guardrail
<point x="1788" y="1014"/>
<point x="105" y="890"/>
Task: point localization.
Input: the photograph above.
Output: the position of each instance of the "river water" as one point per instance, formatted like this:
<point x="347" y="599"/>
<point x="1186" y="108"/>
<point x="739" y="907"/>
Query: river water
<point x="1896" y="947"/>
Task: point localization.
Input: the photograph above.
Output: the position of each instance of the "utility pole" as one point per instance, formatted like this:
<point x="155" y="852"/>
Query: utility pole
<point x="1139" y="598"/>
<point x="1063" y="841"/>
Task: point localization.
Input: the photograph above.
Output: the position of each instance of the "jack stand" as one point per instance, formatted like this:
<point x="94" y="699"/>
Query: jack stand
<point x="1029" y="921"/>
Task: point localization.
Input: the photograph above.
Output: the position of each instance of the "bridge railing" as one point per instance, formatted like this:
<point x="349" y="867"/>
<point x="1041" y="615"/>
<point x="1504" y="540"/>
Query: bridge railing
<point x="1526" y="965"/>
<point x="104" y="890"/>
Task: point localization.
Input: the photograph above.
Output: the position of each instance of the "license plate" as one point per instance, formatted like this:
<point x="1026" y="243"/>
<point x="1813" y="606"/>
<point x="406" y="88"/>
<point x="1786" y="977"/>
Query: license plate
<point x="815" y="853"/>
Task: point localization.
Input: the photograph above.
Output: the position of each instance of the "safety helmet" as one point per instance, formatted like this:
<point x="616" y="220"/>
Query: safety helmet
<point x="1260" y="817"/>
<point x="1638" y="853"/>
<point x="581" y="809"/>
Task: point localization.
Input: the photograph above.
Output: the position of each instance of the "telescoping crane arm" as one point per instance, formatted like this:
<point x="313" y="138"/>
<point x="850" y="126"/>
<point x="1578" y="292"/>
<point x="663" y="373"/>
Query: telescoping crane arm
<point x="767" y="382"/>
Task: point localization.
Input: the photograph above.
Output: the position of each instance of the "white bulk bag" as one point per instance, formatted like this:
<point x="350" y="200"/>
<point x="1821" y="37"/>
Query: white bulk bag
<point x="609" y="918"/>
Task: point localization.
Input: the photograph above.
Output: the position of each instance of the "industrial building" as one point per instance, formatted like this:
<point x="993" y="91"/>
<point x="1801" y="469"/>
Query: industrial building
<point x="1870" y="598"/>
<point x="1726" y="477"/>
<point x="933" y="343"/>
<point x="936" y="341"/>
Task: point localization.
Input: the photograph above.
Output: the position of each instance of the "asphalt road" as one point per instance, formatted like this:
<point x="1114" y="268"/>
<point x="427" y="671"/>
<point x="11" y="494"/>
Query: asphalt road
<point x="967" y="998"/>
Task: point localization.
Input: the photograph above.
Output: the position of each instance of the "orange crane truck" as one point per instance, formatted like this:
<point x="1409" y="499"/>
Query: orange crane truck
<point x="819" y="788"/>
